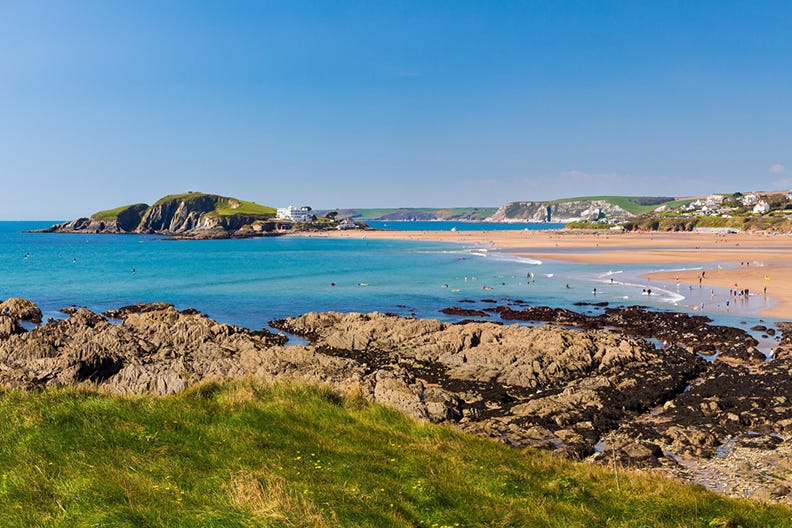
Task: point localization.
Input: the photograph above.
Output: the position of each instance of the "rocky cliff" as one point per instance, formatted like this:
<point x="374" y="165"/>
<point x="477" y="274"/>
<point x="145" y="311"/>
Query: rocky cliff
<point x="561" y="212"/>
<point x="191" y="214"/>
<point x="572" y="391"/>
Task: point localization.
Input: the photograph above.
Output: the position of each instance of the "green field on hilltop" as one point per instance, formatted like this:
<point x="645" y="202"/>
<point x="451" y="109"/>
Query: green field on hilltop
<point x="247" y="208"/>
<point x="223" y="207"/>
<point x="183" y="196"/>
<point x="242" y="454"/>
<point x="633" y="204"/>
<point x="112" y="214"/>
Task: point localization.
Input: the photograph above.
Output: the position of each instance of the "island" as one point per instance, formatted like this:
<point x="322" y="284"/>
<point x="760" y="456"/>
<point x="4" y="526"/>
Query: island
<point x="199" y="215"/>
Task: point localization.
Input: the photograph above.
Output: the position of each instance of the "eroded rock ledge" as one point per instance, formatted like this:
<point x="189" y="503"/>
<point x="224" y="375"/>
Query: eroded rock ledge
<point x="573" y="391"/>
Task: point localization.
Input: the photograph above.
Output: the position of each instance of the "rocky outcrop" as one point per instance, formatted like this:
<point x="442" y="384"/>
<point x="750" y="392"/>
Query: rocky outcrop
<point x="21" y="310"/>
<point x="694" y="332"/>
<point x="193" y="215"/>
<point x="593" y="393"/>
<point x="562" y="212"/>
<point x="124" y="220"/>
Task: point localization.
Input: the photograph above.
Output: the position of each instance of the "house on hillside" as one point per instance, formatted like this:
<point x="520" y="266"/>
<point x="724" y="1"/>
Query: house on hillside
<point x="295" y="214"/>
<point x="347" y="223"/>
<point x="714" y="199"/>
<point x="750" y="199"/>
<point x="761" y="208"/>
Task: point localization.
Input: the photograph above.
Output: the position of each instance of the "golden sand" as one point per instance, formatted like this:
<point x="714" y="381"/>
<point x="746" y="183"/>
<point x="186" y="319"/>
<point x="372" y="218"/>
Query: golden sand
<point x="741" y="258"/>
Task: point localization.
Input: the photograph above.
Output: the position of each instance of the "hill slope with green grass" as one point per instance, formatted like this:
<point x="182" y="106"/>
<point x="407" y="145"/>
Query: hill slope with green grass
<point x="242" y="454"/>
<point x="582" y="208"/>
<point x="192" y="213"/>
<point x="635" y="205"/>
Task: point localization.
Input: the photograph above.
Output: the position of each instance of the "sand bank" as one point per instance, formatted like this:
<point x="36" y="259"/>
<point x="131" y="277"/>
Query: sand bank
<point x="744" y="259"/>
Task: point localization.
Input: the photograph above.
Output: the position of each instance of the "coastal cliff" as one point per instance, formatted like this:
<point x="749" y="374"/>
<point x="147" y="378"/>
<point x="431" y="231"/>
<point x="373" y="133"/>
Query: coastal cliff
<point x="561" y="212"/>
<point x="193" y="214"/>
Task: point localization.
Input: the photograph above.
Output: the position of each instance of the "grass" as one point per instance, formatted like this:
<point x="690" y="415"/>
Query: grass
<point x="242" y="454"/>
<point x="112" y="214"/>
<point x="628" y="203"/>
<point x="183" y="196"/>
<point x="247" y="208"/>
<point x="224" y="204"/>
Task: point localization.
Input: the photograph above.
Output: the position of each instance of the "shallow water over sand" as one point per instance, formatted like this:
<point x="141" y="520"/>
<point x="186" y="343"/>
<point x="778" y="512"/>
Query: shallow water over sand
<point x="249" y="282"/>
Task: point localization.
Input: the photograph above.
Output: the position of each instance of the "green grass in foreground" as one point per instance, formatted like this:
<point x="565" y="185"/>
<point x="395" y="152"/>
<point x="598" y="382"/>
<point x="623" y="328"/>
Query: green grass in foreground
<point x="245" y="455"/>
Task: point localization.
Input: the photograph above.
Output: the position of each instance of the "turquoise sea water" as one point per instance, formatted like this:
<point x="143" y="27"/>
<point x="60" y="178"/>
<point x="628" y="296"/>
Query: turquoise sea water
<point x="250" y="282"/>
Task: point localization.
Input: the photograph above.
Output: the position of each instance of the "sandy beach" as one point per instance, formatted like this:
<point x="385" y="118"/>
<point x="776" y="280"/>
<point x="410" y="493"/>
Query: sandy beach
<point x="741" y="258"/>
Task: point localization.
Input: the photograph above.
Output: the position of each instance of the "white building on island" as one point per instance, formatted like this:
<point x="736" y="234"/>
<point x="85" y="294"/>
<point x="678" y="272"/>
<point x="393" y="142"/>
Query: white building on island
<point x="295" y="214"/>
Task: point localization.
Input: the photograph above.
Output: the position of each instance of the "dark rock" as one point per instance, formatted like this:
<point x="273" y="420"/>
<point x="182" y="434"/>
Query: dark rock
<point x="463" y="312"/>
<point x="139" y="308"/>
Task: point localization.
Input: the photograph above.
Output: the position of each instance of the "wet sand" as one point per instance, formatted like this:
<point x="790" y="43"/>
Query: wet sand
<point x="744" y="259"/>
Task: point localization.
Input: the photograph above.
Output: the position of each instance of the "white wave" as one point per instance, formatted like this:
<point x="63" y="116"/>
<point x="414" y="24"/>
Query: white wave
<point x="610" y="273"/>
<point x="505" y="257"/>
<point x="663" y="270"/>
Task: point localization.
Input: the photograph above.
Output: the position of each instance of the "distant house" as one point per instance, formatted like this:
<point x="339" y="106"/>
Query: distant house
<point x="761" y="208"/>
<point x="714" y="199"/>
<point x="347" y="223"/>
<point x="750" y="199"/>
<point x="295" y="214"/>
<point x="789" y="195"/>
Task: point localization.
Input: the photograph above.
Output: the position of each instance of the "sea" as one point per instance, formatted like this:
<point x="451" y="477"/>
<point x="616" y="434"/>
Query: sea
<point x="250" y="282"/>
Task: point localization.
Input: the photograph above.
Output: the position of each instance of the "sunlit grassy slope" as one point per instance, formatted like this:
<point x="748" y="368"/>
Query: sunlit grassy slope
<point x="245" y="455"/>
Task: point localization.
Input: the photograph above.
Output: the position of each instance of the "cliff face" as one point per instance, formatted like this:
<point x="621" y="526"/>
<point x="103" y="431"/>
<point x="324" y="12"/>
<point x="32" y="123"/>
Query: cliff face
<point x="124" y="220"/>
<point x="179" y="215"/>
<point x="557" y="211"/>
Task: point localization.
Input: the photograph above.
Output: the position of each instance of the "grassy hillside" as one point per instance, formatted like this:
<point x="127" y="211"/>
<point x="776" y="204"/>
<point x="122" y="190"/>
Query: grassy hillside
<point x="634" y="204"/>
<point x="225" y="206"/>
<point x="183" y="196"/>
<point x="772" y="222"/>
<point x="112" y="214"/>
<point x="245" y="455"/>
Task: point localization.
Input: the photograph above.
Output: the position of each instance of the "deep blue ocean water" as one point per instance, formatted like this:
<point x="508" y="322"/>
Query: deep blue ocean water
<point x="250" y="282"/>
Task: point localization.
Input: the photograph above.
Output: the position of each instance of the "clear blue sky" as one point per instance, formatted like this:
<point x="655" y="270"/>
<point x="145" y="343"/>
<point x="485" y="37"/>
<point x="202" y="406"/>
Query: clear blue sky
<point x="373" y="103"/>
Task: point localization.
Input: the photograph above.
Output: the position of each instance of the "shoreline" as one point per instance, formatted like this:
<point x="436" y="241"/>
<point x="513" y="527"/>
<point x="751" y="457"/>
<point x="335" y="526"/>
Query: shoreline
<point x="744" y="259"/>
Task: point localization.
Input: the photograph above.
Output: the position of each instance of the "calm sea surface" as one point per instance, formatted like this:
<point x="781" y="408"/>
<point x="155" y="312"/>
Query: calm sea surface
<point x="250" y="282"/>
<point x="463" y="226"/>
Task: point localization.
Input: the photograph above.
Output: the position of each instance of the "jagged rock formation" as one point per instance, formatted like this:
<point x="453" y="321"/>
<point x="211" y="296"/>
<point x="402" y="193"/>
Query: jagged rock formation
<point x="192" y="214"/>
<point x="562" y="212"/>
<point x="550" y="387"/>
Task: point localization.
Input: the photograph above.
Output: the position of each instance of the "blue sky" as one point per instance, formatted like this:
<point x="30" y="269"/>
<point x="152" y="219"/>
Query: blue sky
<point x="387" y="104"/>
